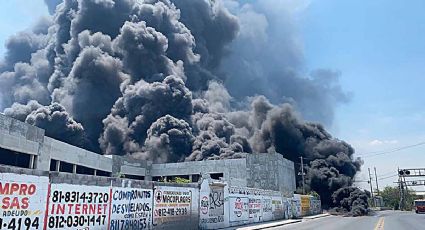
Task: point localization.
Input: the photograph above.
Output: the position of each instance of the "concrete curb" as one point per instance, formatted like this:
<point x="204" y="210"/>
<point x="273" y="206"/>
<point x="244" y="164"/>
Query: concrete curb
<point x="316" y="216"/>
<point x="269" y="225"/>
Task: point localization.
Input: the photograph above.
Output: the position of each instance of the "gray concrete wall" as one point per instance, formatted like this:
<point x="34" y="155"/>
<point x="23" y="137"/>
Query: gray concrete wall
<point x="10" y="169"/>
<point x="19" y="136"/>
<point x="234" y="170"/>
<point x="270" y="171"/>
<point x="265" y="171"/>
<point x="24" y="138"/>
<point x="78" y="179"/>
<point x="68" y="153"/>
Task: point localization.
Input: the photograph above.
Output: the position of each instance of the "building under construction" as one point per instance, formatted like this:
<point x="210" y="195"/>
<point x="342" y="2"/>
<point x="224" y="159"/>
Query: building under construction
<point x="26" y="146"/>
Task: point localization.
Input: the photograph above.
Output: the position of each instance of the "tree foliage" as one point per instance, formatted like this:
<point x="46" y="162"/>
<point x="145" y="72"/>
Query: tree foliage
<point x="391" y="197"/>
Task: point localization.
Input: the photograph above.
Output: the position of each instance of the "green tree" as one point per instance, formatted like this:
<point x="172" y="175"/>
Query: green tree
<point x="391" y="197"/>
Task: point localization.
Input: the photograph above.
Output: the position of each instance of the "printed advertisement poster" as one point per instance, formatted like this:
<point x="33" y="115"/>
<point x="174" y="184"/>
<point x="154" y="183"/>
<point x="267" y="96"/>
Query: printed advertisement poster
<point x="172" y="204"/>
<point x="23" y="201"/>
<point x="238" y="209"/>
<point x="277" y="208"/>
<point x="254" y="206"/>
<point x="78" y="207"/>
<point x="131" y="208"/>
<point x="305" y="205"/>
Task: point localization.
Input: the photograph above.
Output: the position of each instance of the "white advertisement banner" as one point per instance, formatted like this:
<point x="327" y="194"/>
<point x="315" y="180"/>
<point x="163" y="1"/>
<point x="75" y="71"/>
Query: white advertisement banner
<point x="23" y="201"/>
<point x="254" y="206"/>
<point x="173" y="204"/>
<point x="131" y="208"/>
<point x="239" y="209"/>
<point x="78" y="207"/>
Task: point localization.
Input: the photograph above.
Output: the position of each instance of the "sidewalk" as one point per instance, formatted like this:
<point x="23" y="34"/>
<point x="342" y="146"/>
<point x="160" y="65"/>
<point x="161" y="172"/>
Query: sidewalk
<point x="263" y="225"/>
<point x="257" y="226"/>
<point x="316" y="216"/>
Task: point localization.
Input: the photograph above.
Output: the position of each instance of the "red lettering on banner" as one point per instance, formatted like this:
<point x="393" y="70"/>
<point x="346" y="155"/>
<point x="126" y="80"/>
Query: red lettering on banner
<point x="23" y="189"/>
<point x="14" y="188"/>
<point x="60" y="209"/>
<point x="77" y="209"/>
<point x="70" y="208"/>
<point x="4" y="189"/>
<point x="84" y="209"/>
<point x="5" y="203"/>
<point x="31" y="189"/>
<point x="25" y="203"/>
<point x="15" y="203"/>
<point x="20" y="189"/>
<point x="52" y="210"/>
<point x="92" y="209"/>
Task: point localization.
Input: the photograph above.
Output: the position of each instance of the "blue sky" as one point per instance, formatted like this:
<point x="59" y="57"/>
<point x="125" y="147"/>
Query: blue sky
<point x="16" y="15"/>
<point x="379" y="47"/>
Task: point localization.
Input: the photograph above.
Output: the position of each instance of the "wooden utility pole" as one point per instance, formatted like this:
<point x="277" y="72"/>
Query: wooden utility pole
<point x="371" y="189"/>
<point x="376" y="179"/>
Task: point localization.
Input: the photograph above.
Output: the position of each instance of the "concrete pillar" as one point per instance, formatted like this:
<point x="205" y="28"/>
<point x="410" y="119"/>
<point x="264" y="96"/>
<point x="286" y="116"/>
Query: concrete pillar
<point x="74" y="168"/>
<point x="32" y="161"/>
<point x="58" y="165"/>
<point x="190" y="178"/>
<point x="95" y="172"/>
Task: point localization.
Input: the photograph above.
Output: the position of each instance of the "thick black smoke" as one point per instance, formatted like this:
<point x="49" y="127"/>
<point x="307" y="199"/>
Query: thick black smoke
<point x="177" y="80"/>
<point x="351" y="200"/>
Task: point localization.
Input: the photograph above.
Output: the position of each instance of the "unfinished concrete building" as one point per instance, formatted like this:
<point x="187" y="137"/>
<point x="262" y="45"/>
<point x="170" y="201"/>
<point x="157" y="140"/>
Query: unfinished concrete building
<point x="26" y="146"/>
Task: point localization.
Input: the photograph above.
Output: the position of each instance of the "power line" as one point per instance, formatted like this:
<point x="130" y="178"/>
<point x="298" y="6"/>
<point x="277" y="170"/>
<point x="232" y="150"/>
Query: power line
<point x="377" y="153"/>
<point x="382" y="178"/>
<point x="386" y="174"/>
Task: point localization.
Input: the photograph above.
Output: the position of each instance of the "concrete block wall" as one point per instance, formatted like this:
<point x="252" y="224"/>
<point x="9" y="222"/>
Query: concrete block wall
<point x="65" y="152"/>
<point x="65" y="200"/>
<point x="234" y="170"/>
<point x="27" y="139"/>
<point x="19" y="136"/>
<point x="265" y="170"/>
<point x="270" y="171"/>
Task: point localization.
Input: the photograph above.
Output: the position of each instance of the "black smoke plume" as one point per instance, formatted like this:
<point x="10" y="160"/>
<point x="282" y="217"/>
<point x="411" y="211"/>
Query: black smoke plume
<point x="351" y="200"/>
<point x="177" y="80"/>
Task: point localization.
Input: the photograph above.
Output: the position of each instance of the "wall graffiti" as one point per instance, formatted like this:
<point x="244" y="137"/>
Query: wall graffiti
<point x="78" y="207"/>
<point x="296" y="206"/>
<point x="215" y="212"/>
<point x="267" y="210"/>
<point x="315" y="206"/>
<point x="216" y="207"/>
<point x="131" y="209"/>
<point x="23" y="201"/>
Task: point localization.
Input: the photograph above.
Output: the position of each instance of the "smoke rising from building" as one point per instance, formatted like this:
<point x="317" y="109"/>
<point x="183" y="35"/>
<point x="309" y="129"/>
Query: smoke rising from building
<point x="176" y="80"/>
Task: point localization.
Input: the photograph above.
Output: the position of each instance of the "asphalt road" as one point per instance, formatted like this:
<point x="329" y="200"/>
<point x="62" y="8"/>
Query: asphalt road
<point x="384" y="220"/>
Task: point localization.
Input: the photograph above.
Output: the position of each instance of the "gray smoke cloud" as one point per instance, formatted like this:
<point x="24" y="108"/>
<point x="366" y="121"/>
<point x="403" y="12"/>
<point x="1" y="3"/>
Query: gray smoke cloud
<point x="177" y="80"/>
<point x="53" y="118"/>
<point x="267" y="59"/>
